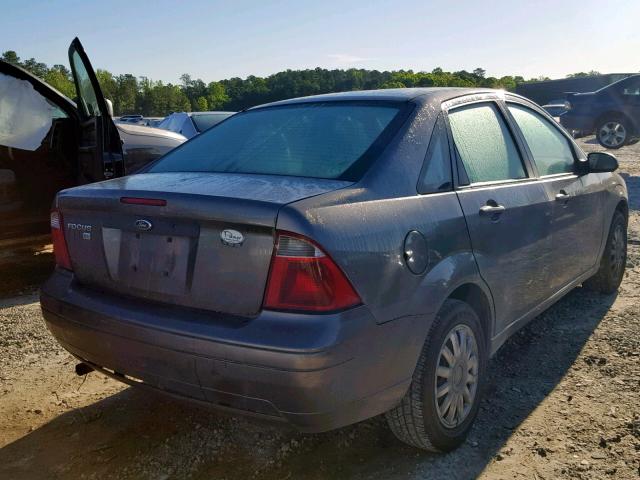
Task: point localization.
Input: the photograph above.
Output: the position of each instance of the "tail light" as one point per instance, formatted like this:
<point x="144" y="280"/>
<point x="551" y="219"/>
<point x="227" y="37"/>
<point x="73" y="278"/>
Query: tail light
<point x="304" y="278"/>
<point x="60" y="250"/>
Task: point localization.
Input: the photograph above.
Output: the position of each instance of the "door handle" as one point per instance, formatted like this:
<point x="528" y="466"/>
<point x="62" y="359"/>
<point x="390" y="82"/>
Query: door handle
<point x="492" y="210"/>
<point x="563" y="196"/>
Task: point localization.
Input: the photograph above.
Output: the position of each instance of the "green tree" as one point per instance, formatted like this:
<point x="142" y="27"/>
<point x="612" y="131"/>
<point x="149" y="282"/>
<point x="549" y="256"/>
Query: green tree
<point x="126" y="94"/>
<point x="479" y="72"/>
<point x="202" y="104"/>
<point x="36" y="68"/>
<point x="393" y="84"/>
<point x="60" y="79"/>
<point x="108" y="84"/>
<point x="217" y="96"/>
<point x="10" y="56"/>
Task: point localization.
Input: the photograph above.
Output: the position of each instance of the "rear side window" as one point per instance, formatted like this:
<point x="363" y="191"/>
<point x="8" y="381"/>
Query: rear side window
<point x="551" y="151"/>
<point x="436" y="172"/>
<point x="484" y="144"/>
<point x="321" y="140"/>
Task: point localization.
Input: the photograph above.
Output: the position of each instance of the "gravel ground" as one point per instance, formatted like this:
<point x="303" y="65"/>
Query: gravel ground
<point x="562" y="402"/>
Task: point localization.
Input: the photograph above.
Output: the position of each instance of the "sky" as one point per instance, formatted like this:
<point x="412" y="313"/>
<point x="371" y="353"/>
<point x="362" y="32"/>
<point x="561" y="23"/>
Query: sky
<point x="213" y="40"/>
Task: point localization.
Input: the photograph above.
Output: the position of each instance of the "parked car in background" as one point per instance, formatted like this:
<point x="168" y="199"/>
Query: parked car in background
<point x="191" y="124"/>
<point x="152" y="121"/>
<point x="327" y="259"/>
<point x="556" y="108"/>
<point x="48" y="143"/>
<point x="130" y="118"/>
<point x="613" y="113"/>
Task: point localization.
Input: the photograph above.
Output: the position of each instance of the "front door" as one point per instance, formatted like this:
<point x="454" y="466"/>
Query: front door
<point x="100" y="149"/>
<point x="507" y="212"/>
<point x="577" y="219"/>
<point x="38" y="129"/>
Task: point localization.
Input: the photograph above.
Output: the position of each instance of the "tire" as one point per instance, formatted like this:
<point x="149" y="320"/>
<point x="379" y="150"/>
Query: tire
<point x="614" y="258"/>
<point x="416" y="420"/>
<point x="613" y="131"/>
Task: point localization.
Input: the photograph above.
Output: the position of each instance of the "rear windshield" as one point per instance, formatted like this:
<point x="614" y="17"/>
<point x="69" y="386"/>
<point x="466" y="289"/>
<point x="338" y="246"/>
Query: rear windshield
<point x="320" y="140"/>
<point x="204" y="121"/>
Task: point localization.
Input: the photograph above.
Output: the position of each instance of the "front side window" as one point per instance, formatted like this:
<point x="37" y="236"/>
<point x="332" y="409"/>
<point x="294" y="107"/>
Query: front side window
<point x="87" y="96"/>
<point x="551" y="151"/>
<point x="322" y="140"/>
<point x="485" y="145"/>
<point x="436" y="172"/>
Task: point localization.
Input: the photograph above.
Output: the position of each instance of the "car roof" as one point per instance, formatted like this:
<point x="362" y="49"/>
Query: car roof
<point x="424" y="95"/>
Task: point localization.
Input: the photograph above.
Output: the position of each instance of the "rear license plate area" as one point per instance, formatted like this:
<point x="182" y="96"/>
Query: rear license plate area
<point x="157" y="261"/>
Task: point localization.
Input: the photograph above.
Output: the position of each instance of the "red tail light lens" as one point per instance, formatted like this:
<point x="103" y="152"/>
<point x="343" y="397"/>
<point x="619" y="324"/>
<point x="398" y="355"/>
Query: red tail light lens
<point x="60" y="250"/>
<point x="304" y="278"/>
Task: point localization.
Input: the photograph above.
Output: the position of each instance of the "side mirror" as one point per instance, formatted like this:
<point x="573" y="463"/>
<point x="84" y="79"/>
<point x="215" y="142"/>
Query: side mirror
<point x="599" y="162"/>
<point x="109" y="106"/>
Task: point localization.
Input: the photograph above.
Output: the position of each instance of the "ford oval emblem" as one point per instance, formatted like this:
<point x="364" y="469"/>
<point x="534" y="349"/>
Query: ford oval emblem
<point x="143" y="225"/>
<point x="232" y="238"/>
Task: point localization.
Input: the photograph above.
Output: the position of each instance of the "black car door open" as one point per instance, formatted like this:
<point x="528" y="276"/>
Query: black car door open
<point x="100" y="148"/>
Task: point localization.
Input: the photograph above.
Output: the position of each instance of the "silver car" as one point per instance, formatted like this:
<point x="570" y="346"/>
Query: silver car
<point x="326" y="259"/>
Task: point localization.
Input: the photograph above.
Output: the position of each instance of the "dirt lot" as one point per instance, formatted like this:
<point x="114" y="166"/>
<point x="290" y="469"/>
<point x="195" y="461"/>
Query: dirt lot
<point x="563" y="402"/>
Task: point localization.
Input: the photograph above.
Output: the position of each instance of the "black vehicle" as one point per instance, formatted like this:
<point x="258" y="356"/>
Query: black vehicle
<point x="48" y="142"/>
<point x="613" y="113"/>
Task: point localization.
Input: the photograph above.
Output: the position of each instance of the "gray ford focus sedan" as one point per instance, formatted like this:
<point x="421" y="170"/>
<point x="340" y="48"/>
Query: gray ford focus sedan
<point x="326" y="259"/>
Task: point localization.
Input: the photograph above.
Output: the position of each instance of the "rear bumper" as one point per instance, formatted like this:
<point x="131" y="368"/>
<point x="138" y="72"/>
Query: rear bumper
<point x="317" y="372"/>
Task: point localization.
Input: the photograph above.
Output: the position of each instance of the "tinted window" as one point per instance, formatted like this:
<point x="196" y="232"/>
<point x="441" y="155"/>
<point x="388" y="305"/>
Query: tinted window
<point x="436" y="172"/>
<point x="206" y="121"/>
<point x="321" y="140"/>
<point x="87" y="96"/>
<point x="549" y="147"/>
<point x="632" y="87"/>
<point x="485" y="145"/>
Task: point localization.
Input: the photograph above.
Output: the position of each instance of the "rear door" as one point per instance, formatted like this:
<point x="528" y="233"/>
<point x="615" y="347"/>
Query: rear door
<point x="506" y="208"/>
<point x="576" y="221"/>
<point x="100" y="148"/>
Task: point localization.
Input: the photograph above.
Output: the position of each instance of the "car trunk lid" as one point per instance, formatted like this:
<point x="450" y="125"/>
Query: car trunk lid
<point x="205" y="243"/>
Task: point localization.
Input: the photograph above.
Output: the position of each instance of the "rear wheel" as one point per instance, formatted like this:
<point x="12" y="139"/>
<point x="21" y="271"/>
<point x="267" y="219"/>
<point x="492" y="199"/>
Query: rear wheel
<point x="614" y="258"/>
<point x="441" y="404"/>
<point x="613" y="132"/>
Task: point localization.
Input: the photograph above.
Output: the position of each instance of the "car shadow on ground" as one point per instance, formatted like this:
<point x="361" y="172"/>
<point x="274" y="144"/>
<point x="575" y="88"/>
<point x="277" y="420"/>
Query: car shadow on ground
<point x="134" y="434"/>
<point x="24" y="264"/>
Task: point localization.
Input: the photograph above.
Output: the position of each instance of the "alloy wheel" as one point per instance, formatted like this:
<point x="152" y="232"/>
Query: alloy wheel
<point x="456" y="381"/>
<point x="617" y="253"/>
<point x="613" y="134"/>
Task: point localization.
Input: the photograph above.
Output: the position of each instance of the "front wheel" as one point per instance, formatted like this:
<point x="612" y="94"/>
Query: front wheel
<point x="442" y="402"/>
<point x="614" y="258"/>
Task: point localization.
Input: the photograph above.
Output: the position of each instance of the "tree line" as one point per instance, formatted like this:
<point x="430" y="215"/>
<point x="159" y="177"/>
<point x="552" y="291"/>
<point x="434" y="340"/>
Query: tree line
<point x="141" y="95"/>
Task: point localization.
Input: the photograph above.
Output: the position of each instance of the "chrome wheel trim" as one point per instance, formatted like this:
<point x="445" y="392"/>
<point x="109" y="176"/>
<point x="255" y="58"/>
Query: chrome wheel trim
<point x="612" y="134"/>
<point x="456" y="379"/>
<point x="617" y="254"/>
